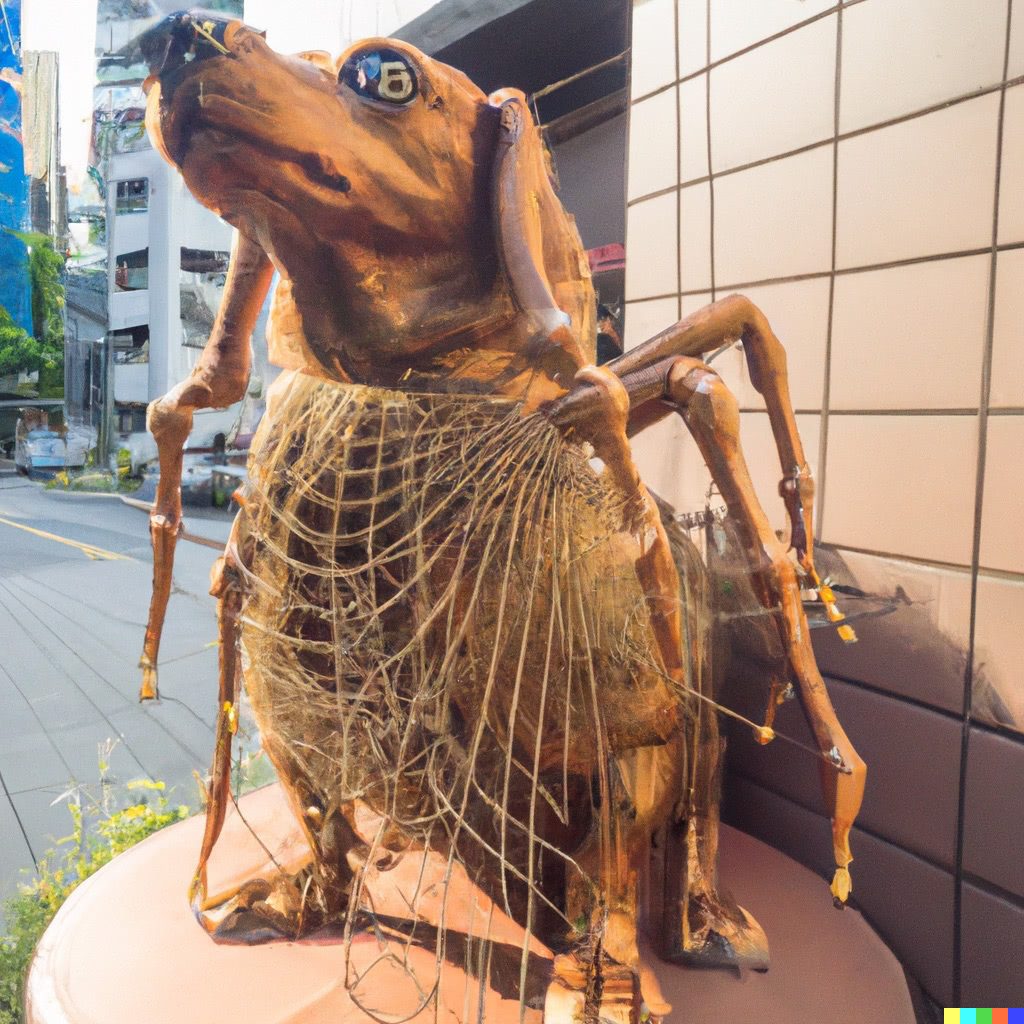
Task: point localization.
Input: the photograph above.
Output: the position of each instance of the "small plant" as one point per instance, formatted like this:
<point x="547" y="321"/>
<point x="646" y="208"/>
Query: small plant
<point x="100" y="831"/>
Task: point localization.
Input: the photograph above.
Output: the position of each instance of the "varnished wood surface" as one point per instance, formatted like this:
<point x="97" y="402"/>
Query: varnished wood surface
<point x="421" y="246"/>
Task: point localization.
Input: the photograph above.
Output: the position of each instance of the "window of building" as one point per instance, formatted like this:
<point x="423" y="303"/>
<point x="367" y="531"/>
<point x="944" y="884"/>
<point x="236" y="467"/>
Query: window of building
<point x="132" y="196"/>
<point x="131" y="345"/>
<point x="203" y="273"/>
<point x="131" y="419"/>
<point x="131" y="272"/>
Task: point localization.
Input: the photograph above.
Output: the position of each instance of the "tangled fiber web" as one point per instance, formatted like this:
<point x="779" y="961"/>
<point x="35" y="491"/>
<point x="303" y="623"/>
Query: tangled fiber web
<point x="442" y="621"/>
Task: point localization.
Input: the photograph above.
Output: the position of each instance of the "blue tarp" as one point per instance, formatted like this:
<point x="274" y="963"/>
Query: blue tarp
<point x="14" y="281"/>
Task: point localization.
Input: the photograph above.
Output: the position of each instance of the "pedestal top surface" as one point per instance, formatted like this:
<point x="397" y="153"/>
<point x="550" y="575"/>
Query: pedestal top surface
<point x="125" y="949"/>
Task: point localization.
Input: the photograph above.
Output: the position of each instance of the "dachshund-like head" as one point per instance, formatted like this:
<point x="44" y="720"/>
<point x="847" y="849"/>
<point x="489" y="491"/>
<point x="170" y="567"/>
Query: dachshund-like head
<point x="410" y="215"/>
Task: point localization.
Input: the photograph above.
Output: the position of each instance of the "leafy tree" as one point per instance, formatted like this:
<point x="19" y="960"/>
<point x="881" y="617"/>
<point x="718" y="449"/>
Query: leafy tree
<point x="45" y="351"/>
<point x="46" y="274"/>
<point x="18" y="349"/>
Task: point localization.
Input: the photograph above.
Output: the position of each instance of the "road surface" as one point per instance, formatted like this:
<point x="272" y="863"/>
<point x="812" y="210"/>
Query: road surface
<point x="75" y="574"/>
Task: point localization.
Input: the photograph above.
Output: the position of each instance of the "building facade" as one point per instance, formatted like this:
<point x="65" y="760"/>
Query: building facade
<point x="148" y="267"/>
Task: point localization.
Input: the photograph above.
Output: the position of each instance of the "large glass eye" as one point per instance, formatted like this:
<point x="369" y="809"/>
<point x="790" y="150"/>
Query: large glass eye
<point x="380" y="75"/>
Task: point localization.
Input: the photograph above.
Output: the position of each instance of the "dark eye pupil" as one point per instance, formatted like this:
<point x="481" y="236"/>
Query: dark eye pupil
<point x="380" y="75"/>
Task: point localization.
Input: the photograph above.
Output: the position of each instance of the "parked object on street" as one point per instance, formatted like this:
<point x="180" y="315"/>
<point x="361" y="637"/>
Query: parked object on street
<point x="47" y="451"/>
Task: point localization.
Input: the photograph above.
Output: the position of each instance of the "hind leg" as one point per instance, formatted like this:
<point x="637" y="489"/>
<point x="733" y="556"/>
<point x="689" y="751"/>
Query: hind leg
<point x="605" y="977"/>
<point x="712" y="415"/>
<point x="697" y="923"/>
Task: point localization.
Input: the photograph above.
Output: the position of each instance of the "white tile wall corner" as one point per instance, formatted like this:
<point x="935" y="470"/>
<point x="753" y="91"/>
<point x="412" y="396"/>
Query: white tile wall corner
<point x="695" y="236"/>
<point x="646" y="319"/>
<point x="1011" y="180"/>
<point x="693" y="128"/>
<point x="1002" y="540"/>
<point x="652" y="57"/>
<point x="693" y="36"/>
<point x="910" y="337"/>
<point x="1008" y="334"/>
<point x="652" y="144"/>
<point x="736" y="24"/>
<point x="904" y="55"/>
<point x="776" y="98"/>
<point x="918" y="188"/>
<point x="774" y="220"/>
<point x="902" y="485"/>
<point x="998" y="696"/>
<point x="763" y="460"/>
<point x="798" y="313"/>
<point x="651" y="256"/>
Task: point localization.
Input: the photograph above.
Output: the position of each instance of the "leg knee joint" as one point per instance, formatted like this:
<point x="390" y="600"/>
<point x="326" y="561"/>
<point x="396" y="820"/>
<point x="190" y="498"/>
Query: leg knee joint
<point x="704" y="396"/>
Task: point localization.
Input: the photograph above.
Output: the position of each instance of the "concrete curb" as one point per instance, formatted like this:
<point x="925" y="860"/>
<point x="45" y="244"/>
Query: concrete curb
<point x="142" y="506"/>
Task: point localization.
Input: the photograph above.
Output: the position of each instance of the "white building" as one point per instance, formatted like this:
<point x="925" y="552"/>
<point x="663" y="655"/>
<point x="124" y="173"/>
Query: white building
<point x="149" y="255"/>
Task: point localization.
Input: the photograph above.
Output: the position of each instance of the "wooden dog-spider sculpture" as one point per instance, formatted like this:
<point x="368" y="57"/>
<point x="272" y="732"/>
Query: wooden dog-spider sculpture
<point x="462" y="616"/>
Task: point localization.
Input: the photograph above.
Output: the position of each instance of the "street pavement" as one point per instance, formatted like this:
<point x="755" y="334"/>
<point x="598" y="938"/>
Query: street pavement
<point x="71" y="630"/>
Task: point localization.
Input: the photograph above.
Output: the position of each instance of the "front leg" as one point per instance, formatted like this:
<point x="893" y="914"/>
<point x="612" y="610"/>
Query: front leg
<point x="730" y="319"/>
<point x="218" y="380"/>
<point x="712" y="415"/>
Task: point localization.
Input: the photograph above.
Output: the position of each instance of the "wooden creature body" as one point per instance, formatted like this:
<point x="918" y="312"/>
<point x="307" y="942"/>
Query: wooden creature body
<point x="462" y="613"/>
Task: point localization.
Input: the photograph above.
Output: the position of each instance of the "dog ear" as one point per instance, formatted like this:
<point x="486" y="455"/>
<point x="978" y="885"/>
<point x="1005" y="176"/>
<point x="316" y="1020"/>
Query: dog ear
<point x="537" y="241"/>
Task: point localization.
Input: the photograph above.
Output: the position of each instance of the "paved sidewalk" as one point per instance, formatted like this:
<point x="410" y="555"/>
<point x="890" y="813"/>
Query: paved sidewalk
<point x="71" y="629"/>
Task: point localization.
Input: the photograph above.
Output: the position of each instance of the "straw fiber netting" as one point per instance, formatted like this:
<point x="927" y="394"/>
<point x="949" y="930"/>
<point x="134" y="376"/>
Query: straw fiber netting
<point x="442" y="623"/>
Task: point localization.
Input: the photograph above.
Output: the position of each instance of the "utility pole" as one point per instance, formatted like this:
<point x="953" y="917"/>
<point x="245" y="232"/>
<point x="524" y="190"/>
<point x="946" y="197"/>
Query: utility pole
<point x="104" y="446"/>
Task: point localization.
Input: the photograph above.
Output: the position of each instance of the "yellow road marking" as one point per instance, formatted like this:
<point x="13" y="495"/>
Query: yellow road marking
<point x="90" y="550"/>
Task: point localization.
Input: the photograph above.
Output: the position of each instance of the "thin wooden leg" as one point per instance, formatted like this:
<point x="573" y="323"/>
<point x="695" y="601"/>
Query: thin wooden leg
<point x="218" y="380"/>
<point x="227" y="588"/>
<point x="712" y="415"/>
<point x="737" y="318"/>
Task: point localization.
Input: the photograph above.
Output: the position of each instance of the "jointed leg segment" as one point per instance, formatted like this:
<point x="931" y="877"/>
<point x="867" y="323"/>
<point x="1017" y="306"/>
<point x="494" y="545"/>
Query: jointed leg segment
<point x="737" y="318"/>
<point x="219" y="379"/>
<point x="664" y="370"/>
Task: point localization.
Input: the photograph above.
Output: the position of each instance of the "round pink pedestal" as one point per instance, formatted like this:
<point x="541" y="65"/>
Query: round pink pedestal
<point x="125" y="948"/>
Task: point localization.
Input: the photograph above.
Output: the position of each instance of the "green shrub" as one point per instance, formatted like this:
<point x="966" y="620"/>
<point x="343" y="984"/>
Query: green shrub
<point x="99" y="833"/>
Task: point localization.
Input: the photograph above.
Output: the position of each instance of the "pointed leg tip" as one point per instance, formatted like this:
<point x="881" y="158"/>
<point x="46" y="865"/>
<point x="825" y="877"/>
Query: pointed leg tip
<point x="148" y="690"/>
<point x="841" y="887"/>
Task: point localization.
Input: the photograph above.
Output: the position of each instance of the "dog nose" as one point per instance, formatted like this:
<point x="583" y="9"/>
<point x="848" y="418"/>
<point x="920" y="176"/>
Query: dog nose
<point x="182" y="37"/>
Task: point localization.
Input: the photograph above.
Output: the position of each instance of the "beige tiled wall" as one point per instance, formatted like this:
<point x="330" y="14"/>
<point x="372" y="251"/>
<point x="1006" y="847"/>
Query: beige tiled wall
<point x="858" y="210"/>
<point x="857" y="169"/>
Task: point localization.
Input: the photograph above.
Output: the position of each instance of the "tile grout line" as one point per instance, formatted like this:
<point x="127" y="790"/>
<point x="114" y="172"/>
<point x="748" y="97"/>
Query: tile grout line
<point x="679" y="170"/>
<point x="990" y="888"/>
<point x="818" y="275"/>
<point x="711" y="65"/>
<point x="979" y="498"/>
<point x="853" y="133"/>
<point x="871" y="833"/>
<point x="711" y="179"/>
<point x="931" y="563"/>
<point x="826" y="393"/>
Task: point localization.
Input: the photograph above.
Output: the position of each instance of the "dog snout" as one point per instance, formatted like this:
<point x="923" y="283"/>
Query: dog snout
<point x="183" y="37"/>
